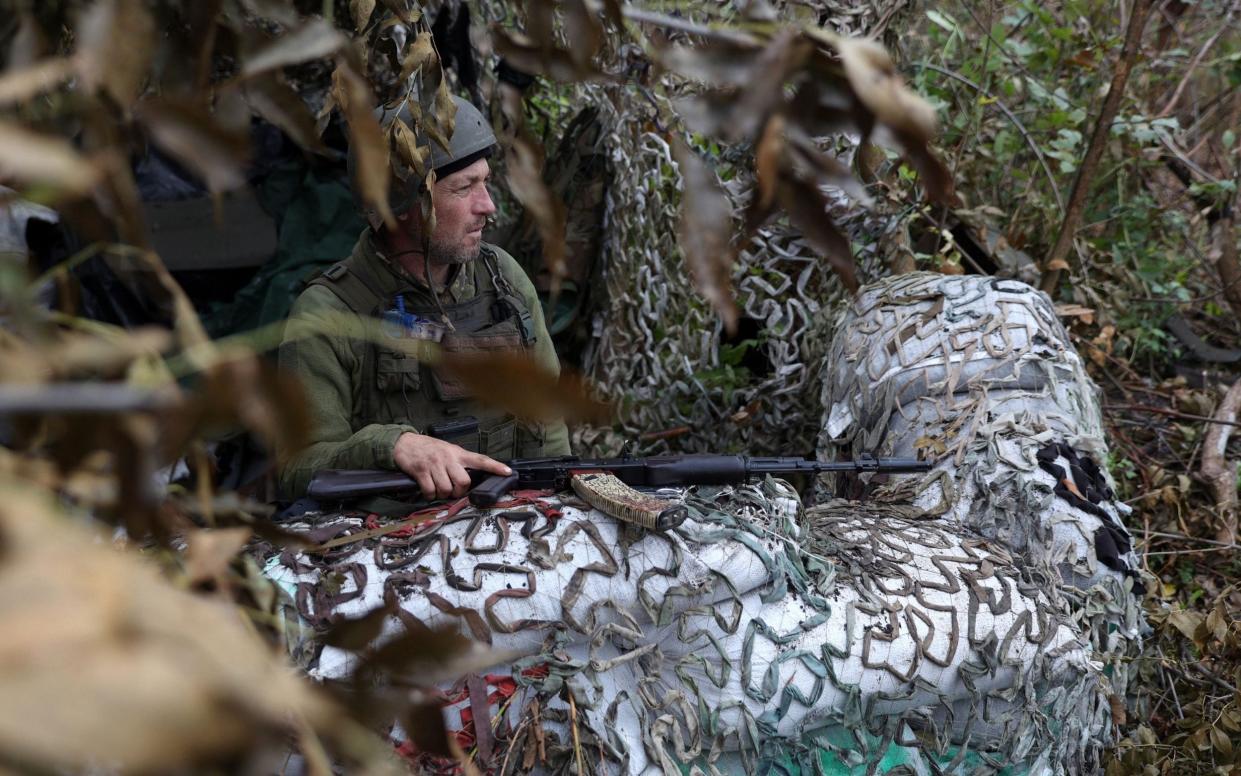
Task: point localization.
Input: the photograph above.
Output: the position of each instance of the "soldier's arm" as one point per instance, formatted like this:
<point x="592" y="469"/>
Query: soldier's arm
<point x="556" y="433"/>
<point x="325" y="363"/>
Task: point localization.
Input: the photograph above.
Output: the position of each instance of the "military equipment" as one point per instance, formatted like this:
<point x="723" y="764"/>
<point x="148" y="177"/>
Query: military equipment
<point x="557" y="474"/>
<point x="453" y="427"/>
<point x="471" y="134"/>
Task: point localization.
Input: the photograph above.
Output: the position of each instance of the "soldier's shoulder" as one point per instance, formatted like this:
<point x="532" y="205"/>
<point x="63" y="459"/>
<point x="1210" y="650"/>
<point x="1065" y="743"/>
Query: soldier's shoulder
<point x="502" y="256"/>
<point x="319" y="295"/>
<point x="508" y="266"/>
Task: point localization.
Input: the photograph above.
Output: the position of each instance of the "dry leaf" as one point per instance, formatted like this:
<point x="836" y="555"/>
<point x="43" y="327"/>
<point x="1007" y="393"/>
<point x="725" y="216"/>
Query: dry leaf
<point x="712" y="113"/>
<point x="425" y="723"/>
<point x="77" y="354"/>
<point x="807" y="209"/>
<point x="874" y="79"/>
<point x="314" y="40"/>
<point x="767" y="160"/>
<point x="405" y="143"/>
<point x="525" y="177"/>
<point x="40" y="160"/>
<point x="187" y="131"/>
<point x="1072" y="487"/>
<point x="932" y="445"/>
<point x="808" y="160"/>
<point x="554" y="63"/>
<point x="273" y="99"/>
<point x="764" y="90"/>
<point x="110" y="664"/>
<point x="718" y="64"/>
<point x="279" y="11"/>
<point x="540" y="23"/>
<point x="736" y="112"/>
<point x="419" y="54"/>
<point x="584" y="30"/>
<point x="1076" y="311"/>
<point x="517" y="384"/>
<point x="906" y="117"/>
<point x="27" y="45"/>
<point x="209" y="552"/>
<point x="114" y="39"/>
<point x="705" y="230"/>
<point x="366" y="137"/>
<point x="245" y="392"/>
<point x="17" y="86"/>
<point x="361" y="11"/>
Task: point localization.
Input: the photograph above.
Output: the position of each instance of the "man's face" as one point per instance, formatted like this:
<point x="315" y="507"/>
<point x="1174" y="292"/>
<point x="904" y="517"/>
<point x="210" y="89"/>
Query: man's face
<point x="462" y="206"/>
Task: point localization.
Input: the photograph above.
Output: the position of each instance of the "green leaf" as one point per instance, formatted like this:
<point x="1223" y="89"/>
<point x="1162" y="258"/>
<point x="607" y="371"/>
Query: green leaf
<point x="942" y="20"/>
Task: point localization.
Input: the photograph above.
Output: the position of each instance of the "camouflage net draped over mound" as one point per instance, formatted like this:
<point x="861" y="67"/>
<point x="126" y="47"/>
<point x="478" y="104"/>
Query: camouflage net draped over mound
<point x="726" y="646"/>
<point x="904" y="634"/>
<point x="979" y="373"/>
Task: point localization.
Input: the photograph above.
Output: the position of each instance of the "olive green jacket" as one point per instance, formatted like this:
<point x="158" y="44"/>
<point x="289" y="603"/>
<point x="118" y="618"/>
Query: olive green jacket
<point x="329" y="365"/>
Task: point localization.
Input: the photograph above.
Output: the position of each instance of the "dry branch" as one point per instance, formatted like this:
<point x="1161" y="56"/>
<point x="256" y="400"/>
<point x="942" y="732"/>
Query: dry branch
<point x="1216" y="470"/>
<point x="1094" y="152"/>
<point x="1228" y="265"/>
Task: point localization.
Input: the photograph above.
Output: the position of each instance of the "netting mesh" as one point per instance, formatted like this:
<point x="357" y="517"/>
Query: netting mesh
<point x="979" y="374"/>
<point x="979" y="619"/>
<point x="656" y="347"/>
<point x="731" y="644"/>
<point x="969" y="621"/>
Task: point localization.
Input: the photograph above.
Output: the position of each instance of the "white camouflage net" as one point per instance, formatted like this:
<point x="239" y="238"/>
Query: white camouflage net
<point x="758" y="638"/>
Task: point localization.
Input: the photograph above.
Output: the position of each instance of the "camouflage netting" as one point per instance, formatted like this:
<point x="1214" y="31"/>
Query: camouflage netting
<point x="657" y="348"/>
<point x="757" y="637"/>
<point x="979" y="373"/>
<point x="659" y="345"/>
<point x="727" y="646"/>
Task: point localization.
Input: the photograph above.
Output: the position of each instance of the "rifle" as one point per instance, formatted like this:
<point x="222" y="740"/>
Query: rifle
<point x="606" y="483"/>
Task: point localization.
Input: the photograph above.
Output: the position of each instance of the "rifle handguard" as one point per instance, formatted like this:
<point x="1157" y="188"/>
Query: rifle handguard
<point x="606" y="493"/>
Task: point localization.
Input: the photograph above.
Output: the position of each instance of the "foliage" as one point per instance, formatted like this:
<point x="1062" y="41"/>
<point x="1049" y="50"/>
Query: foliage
<point x="1016" y="83"/>
<point x="1019" y="85"/>
<point x="103" y="415"/>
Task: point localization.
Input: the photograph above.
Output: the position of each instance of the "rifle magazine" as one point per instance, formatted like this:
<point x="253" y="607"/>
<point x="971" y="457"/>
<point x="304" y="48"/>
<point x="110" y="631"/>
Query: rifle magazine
<point x="608" y="494"/>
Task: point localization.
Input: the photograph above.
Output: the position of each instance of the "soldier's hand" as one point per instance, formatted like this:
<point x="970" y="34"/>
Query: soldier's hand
<point x="439" y="467"/>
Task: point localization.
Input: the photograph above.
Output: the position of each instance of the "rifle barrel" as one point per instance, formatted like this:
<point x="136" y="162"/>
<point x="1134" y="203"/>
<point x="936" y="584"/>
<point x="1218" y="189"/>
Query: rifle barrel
<point x="332" y="485"/>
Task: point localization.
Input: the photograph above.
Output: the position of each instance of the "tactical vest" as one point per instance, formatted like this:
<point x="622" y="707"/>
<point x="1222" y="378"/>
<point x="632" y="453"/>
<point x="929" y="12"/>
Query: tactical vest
<point x="398" y="389"/>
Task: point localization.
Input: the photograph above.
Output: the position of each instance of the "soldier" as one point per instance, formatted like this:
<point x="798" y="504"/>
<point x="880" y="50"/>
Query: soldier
<point x="373" y="407"/>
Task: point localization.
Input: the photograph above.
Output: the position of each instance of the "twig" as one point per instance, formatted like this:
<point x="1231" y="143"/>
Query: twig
<point x="687" y="26"/>
<point x="1016" y="122"/>
<point x="1188" y="538"/>
<point x="1217" y="420"/>
<point x="83" y="398"/>
<point x="1228" y="265"/>
<point x="1189" y="71"/>
<point x="577" y="743"/>
<point x="1216" y="470"/>
<point x="1194" y="551"/>
<point x="1184" y="158"/>
<point x="1094" y="151"/>
<point x="1179" y="711"/>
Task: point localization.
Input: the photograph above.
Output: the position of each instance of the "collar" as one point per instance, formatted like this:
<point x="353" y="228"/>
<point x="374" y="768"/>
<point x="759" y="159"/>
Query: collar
<point x="459" y="284"/>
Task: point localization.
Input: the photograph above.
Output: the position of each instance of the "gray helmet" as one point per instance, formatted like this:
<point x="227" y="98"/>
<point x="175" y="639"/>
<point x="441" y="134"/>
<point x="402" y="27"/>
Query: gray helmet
<point x="471" y="136"/>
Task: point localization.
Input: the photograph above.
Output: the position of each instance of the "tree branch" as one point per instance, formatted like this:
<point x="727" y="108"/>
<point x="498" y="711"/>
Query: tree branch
<point x="1216" y="470"/>
<point x="1094" y="151"/>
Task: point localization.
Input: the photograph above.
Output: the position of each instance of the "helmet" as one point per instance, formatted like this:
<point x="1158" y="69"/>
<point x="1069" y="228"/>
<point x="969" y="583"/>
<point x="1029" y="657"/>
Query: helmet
<point x="471" y="136"/>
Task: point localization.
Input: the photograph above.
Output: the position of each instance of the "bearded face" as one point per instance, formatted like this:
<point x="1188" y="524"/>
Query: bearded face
<point x="462" y="207"/>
